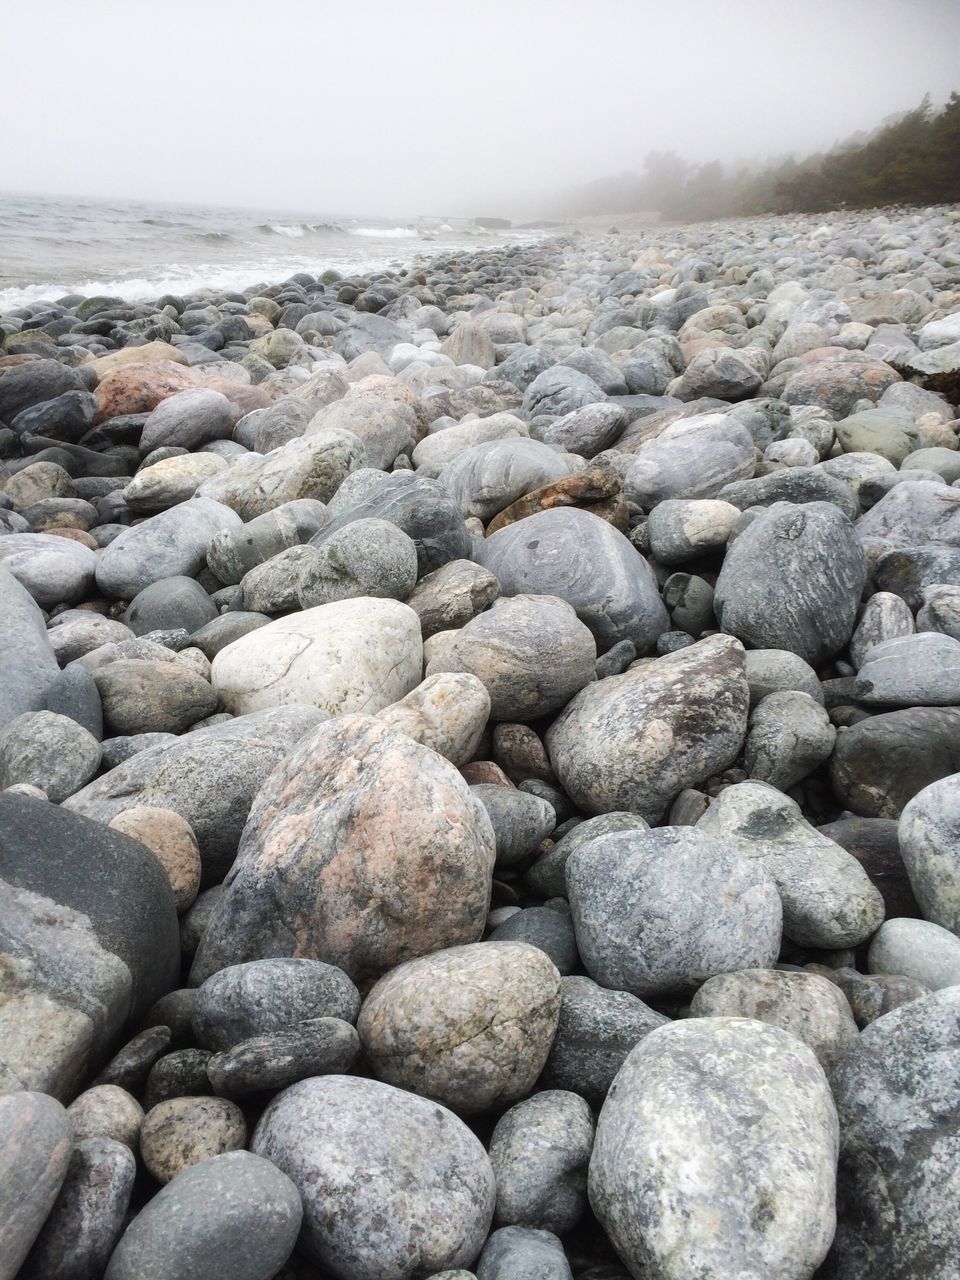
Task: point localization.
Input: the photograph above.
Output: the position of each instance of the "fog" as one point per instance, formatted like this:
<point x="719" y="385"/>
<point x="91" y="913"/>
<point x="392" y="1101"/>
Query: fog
<point x="439" y="106"/>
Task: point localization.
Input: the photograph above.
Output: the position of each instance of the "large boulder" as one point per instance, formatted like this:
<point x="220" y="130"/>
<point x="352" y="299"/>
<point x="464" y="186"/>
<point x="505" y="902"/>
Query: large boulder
<point x="350" y="655"/>
<point x="89" y="941"/>
<point x="392" y="1184"/>
<point x="898" y="1092"/>
<point x="53" y="569"/>
<point x="558" y="552"/>
<point x="691" y="460"/>
<point x="486" y="478"/>
<point x="715" y="1154"/>
<point x="633" y="742"/>
<point x="209" y="777"/>
<point x="362" y="849"/>
<point x="792" y="580"/>
<point x="880" y="763"/>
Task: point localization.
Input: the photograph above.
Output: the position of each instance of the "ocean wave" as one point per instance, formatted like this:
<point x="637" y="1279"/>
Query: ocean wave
<point x="386" y="233"/>
<point x="297" y="230"/>
<point x="213" y="237"/>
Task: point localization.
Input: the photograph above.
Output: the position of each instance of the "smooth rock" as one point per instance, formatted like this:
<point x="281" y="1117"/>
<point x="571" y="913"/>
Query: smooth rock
<point x="539" y="1150"/>
<point x="35" y="1145"/>
<point x="48" y="751"/>
<point x="182" y="1132"/>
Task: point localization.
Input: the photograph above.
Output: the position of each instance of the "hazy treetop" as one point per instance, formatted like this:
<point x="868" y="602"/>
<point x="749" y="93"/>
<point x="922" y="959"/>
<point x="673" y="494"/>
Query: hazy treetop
<point x="439" y="106"/>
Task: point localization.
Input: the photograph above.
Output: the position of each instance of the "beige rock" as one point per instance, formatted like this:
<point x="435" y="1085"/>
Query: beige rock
<point x="106" y="1111"/>
<point x="171" y="838"/>
<point x="149" y="353"/>
<point x="446" y="713"/>
<point x="183" y="1131"/>
<point x="470" y="1027"/>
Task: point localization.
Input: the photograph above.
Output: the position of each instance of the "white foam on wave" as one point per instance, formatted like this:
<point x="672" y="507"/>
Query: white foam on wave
<point x="188" y="279"/>
<point x="387" y="233"/>
<point x="293" y="231"/>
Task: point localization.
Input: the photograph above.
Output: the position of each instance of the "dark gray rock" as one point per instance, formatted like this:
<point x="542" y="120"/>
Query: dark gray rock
<point x="587" y="431"/>
<point x="798" y="485"/>
<point x="792" y="580"/>
<point x="882" y="762"/>
<point x="547" y="875"/>
<point x="249" y="1000"/>
<point x="181" y="1074"/>
<point x="86" y="1220"/>
<point x="875" y="845"/>
<point x="73" y="693"/>
<point x="539" y="1151"/>
<point x="520" y="821"/>
<point x="558" y="552"/>
<point x="86" y="961"/>
<point x="129" y="1068"/>
<point x="315" y="1047"/>
<point x="543" y="927"/>
<point x="235" y="551"/>
<point x="188" y="419"/>
<point x="897" y="1092"/>
<point x="224" y="629"/>
<point x="366" y="558"/>
<point x="392" y="1184"/>
<point x="234" y="1215"/>
<point x="173" y="603"/>
<point x="152" y="697"/>
<point x="117" y="750"/>
<point x="33" y="382"/>
<point x="696" y="906"/>
<point x="421" y="508"/>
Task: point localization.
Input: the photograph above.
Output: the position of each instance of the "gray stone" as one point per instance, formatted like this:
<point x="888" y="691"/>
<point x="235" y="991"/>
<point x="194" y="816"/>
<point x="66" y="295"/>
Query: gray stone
<point x="79" y="961"/>
<point x="656" y="913"/>
<point x="940" y="610"/>
<point x="315" y="1047"/>
<point x="520" y="821"/>
<point x="152" y="697"/>
<point x="224" y="629"/>
<point x="73" y="693"/>
<point x="792" y="580"/>
<point x="777" y="670"/>
<point x="587" y="431"/>
<point x="182" y="1132"/>
<point x="523" y="1253"/>
<point x="912" y="670"/>
<point x="686" y="529"/>
<point x="882" y="762"/>
<point x="209" y="777"/>
<point x="717" y="372"/>
<point x="486" y="478"/>
<point x="188" y="419"/>
<point x="929" y="842"/>
<point x="35" y="1144"/>
<point x="172" y="604"/>
<point x="170" y="480"/>
<point x="539" y="1150"/>
<point x="558" y="552"/>
<point x="172" y="543"/>
<point x="884" y="617"/>
<point x="232" y="1217"/>
<point x="365" y="558"/>
<point x="531" y="653"/>
<point x="544" y="927"/>
<point x="235" y="551"/>
<point x="440" y="447"/>
<point x="799" y="485"/>
<point x="746" y="1098"/>
<point x="789" y="736"/>
<point x="117" y="750"/>
<point x="54" y="570"/>
<point x="447" y="713"/>
<point x="181" y="1074"/>
<point x="634" y="742"/>
<point x="897" y="1093"/>
<point x="547" y="878"/>
<point x="392" y="1184"/>
<point x="250" y="1000"/>
<point x="85" y="1222"/>
<point x="691" y="460"/>
<point x="421" y="508"/>
<point x="916" y="949"/>
<point x="809" y="1007"/>
<point x="558" y="391"/>
<point x="450" y="596"/>
<point x="48" y="751"/>
<point x="333" y="885"/>
<point x="386" y="427"/>
<point x="274" y="586"/>
<point x="828" y="899"/>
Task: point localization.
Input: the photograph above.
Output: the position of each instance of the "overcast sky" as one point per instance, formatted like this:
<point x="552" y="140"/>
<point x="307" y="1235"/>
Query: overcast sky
<point x="432" y="106"/>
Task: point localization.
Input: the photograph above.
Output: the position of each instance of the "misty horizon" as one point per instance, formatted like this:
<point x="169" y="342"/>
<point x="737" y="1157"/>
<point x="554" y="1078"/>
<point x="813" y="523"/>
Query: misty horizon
<point x="424" y="110"/>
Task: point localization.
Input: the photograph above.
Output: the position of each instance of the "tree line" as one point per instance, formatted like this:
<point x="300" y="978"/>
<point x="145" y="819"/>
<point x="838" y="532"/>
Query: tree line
<point x="913" y="158"/>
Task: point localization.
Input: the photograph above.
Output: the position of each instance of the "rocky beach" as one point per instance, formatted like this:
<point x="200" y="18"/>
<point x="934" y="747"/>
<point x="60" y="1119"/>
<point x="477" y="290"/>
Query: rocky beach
<point x="480" y="765"/>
